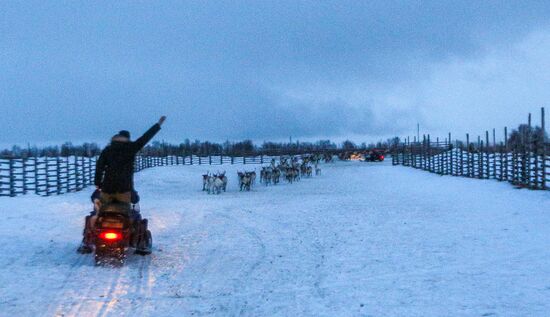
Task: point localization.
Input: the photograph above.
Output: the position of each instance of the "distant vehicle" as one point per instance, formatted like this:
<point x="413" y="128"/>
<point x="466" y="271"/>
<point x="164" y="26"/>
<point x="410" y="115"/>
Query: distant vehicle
<point x="374" y="156"/>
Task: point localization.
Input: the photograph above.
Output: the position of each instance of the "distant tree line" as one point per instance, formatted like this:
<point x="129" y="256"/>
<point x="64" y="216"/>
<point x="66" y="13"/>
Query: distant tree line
<point x="525" y="134"/>
<point x="197" y="147"/>
<point x="66" y="149"/>
<point x="520" y="137"/>
<point x="517" y="137"/>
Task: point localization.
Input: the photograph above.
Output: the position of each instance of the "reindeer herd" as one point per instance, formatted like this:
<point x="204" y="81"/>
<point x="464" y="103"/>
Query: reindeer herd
<point x="214" y="183"/>
<point x="289" y="169"/>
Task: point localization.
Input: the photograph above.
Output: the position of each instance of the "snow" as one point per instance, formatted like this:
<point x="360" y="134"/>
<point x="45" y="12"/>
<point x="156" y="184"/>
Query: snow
<point x="362" y="239"/>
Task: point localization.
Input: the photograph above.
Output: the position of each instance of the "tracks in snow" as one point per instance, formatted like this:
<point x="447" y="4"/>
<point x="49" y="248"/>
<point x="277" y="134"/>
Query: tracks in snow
<point x="108" y="291"/>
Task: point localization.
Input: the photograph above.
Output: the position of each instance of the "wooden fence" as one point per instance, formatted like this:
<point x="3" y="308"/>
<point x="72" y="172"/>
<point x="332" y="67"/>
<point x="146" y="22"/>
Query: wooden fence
<point x="524" y="164"/>
<point x="47" y="176"/>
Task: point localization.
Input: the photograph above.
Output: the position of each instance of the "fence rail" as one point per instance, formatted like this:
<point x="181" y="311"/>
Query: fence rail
<point x="529" y="169"/>
<point x="47" y="176"/>
<point x="525" y="163"/>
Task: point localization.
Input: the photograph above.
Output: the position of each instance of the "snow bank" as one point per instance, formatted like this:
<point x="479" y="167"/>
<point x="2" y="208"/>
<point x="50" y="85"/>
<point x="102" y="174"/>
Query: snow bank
<point x="362" y="239"/>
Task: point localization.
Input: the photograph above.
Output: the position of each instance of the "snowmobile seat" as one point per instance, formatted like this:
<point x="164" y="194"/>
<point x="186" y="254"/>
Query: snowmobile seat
<point x="116" y="208"/>
<point x="115" y="215"/>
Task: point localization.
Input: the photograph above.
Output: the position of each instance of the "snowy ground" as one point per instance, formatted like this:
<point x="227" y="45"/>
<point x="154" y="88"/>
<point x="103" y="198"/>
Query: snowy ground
<point x="363" y="239"/>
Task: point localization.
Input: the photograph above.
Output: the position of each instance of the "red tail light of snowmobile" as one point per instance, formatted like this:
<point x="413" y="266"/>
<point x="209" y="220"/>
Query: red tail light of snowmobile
<point x="110" y="235"/>
<point x="382" y="157"/>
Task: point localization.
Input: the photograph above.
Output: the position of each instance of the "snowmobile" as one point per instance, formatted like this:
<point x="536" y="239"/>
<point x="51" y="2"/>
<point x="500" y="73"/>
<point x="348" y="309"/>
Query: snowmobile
<point x="117" y="229"/>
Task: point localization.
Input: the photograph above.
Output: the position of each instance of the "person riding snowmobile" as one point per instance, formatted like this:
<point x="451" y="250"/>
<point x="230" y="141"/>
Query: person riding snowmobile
<point x="114" y="175"/>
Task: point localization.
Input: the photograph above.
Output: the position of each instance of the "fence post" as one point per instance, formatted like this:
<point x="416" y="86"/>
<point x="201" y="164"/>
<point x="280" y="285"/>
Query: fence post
<point x="426" y="144"/>
<point x="479" y="157"/>
<point x="495" y="154"/>
<point x="24" y="179"/>
<point x="431" y="159"/>
<point x="90" y="177"/>
<point x="543" y="145"/>
<point x="528" y="149"/>
<point x="425" y="154"/>
<point x="537" y="159"/>
<point x="82" y="182"/>
<point x="514" y="165"/>
<point x="450" y="158"/>
<point x="460" y="151"/>
<point x="12" y="177"/>
<point x="58" y="189"/>
<point x="487" y="156"/>
<point x="436" y="163"/>
<point x="469" y="159"/>
<point x="36" y="190"/>
<point x="507" y="157"/>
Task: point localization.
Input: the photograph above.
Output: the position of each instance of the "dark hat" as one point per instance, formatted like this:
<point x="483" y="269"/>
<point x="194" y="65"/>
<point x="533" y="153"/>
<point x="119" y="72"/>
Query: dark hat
<point x="124" y="133"/>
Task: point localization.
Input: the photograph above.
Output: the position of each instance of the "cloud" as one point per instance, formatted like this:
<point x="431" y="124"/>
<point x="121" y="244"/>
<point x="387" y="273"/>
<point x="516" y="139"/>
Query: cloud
<point x="495" y="90"/>
<point x="229" y="69"/>
<point x="461" y="95"/>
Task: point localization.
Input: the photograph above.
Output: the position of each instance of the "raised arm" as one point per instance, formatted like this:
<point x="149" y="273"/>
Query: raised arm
<point x="147" y="136"/>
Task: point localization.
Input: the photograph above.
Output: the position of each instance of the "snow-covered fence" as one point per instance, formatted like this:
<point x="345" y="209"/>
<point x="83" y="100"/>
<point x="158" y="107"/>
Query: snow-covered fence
<point x="525" y="163"/>
<point x="143" y="162"/>
<point x="47" y="176"/>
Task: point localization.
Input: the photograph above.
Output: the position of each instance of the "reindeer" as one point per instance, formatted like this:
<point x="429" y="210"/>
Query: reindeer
<point x="262" y="175"/>
<point x="296" y="174"/>
<point x="205" y="180"/>
<point x="292" y="174"/>
<point x="309" y="171"/>
<point x="284" y="163"/>
<point x="272" y="164"/>
<point x="267" y="175"/>
<point x="223" y="179"/>
<point x="209" y="184"/>
<point x="303" y="169"/>
<point x="253" y="177"/>
<point x="315" y="159"/>
<point x="275" y="175"/>
<point x="216" y="184"/>
<point x="213" y="184"/>
<point x="245" y="180"/>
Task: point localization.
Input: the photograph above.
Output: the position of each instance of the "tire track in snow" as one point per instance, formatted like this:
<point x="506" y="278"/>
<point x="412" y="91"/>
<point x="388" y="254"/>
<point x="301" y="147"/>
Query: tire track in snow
<point x="141" y="294"/>
<point x="233" y="302"/>
<point x="59" y="307"/>
<point x="88" y="303"/>
<point x="78" y="294"/>
<point x="238" y="304"/>
<point x="123" y="299"/>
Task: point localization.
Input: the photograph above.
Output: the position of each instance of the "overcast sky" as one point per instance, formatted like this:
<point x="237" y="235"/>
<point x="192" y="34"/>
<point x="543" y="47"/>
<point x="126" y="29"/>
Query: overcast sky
<point x="267" y="70"/>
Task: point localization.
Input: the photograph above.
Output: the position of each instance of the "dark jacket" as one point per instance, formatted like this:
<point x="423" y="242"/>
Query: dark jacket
<point x="114" y="171"/>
